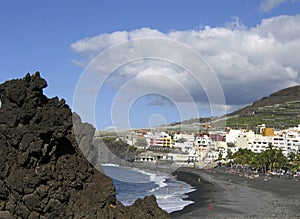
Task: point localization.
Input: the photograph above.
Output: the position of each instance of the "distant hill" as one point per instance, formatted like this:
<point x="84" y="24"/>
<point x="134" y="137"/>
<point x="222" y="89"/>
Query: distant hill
<point x="279" y="110"/>
<point x="285" y="97"/>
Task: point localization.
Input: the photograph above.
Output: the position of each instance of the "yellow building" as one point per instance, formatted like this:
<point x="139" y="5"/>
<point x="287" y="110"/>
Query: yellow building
<point x="167" y="141"/>
<point x="267" y="132"/>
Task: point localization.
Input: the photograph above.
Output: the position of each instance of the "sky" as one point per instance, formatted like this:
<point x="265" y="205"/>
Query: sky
<point x="146" y="63"/>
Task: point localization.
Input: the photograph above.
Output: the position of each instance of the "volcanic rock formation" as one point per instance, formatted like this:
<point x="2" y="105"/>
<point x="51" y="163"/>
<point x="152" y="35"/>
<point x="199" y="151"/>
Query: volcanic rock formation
<point x="43" y="172"/>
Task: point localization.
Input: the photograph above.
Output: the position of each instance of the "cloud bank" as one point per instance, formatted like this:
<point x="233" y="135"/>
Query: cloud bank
<point x="249" y="62"/>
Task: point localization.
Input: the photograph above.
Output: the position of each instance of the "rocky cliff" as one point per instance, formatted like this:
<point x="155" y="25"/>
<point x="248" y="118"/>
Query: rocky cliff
<point x="43" y="172"/>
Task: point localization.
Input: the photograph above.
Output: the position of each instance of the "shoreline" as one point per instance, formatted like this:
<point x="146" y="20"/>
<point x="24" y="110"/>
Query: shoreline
<point x="163" y="173"/>
<point x="227" y="195"/>
<point x="224" y="195"/>
<point x="201" y="196"/>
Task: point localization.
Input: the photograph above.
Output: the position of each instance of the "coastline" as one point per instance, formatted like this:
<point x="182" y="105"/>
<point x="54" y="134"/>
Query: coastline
<point x="223" y="195"/>
<point x="170" y="192"/>
<point x="201" y="196"/>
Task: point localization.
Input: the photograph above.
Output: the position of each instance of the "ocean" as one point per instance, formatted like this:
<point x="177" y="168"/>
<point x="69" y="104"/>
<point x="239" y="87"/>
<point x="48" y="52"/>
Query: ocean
<point x="132" y="184"/>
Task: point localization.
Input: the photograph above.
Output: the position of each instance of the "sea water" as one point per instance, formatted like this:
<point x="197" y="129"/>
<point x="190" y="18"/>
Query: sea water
<point x="132" y="184"/>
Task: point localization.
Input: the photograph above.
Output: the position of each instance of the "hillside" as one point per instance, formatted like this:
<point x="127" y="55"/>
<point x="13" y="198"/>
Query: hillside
<point x="279" y="110"/>
<point x="284" y="98"/>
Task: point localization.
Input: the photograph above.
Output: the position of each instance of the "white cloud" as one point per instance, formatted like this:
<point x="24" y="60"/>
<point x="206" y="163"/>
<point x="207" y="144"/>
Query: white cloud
<point x="269" y="5"/>
<point x="250" y="63"/>
<point x="92" y="45"/>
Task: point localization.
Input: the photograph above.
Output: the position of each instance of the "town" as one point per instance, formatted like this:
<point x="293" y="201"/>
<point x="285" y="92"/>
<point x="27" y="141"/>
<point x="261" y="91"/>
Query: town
<point x="211" y="148"/>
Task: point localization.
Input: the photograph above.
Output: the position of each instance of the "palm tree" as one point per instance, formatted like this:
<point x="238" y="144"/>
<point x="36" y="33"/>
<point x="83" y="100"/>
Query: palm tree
<point x="239" y="157"/>
<point x="298" y="161"/>
<point x="220" y="158"/>
<point x="254" y="161"/>
<point x="281" y="162"/>
<point x="261" y="160"/>
<point x="229" y="156"/>
<point x="291" y="156"/>
<point x="270" y="157"/>
<point x="244" y="157"/>
<point x="294" y="162"/>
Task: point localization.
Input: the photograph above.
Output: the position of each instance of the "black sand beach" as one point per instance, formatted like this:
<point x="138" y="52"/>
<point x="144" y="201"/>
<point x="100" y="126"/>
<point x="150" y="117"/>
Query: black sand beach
<point x="222" y="195"/>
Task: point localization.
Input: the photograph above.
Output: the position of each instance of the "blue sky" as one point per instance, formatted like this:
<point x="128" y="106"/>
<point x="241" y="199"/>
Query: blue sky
<point x="59" y="38"/>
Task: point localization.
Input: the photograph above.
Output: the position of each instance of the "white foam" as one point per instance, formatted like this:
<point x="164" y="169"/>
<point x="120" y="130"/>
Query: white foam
<point x="157" y="178"/>
<point x="125" y="174"/>
<point x="164" y="196"/>
<point x="109" y="165"/>
<point x="169" y="192"/>
<point x="171" y="197"/>
<point x="173" y="206"/>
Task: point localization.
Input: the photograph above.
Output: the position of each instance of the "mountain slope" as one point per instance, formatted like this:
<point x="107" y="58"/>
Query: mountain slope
<point x="279" y="110"/>
<point x="281" y="97"/>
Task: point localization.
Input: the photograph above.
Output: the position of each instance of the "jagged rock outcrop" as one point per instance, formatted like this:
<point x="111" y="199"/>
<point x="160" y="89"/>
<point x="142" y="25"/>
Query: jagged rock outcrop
<point x="121" y="149"/>
<point x="43" y="173"/>
<point x="105" y="155"/>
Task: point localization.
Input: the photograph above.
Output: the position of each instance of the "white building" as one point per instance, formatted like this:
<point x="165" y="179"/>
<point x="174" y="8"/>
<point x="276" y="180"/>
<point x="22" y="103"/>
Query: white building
<point x="232" y="135"/>
<point x="160" y="139"/>
<point x="187" y="143"/>
<point x="292" y="138"/>
<point x="187" y="147"/>
<point x="187" y="137"/>
<point x="244" y="139"/>
<point x="261" y="143"/>
<point x="203" y="141"/>
<point x="211" y="156"/>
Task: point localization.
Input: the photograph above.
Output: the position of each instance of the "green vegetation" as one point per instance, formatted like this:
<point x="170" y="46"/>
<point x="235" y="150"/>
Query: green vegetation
<point x="182" y="140"/>
<point x="141" y="142"/>
<point x="120" y="148"/>
<point x="108" y="139"/>
<point x="252" y="121"/>
<point x="280" y="110"/>
<point x="271" y="159"/>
